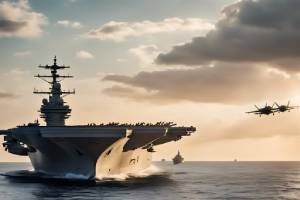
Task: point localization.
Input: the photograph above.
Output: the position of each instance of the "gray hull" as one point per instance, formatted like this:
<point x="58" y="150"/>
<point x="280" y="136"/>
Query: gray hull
<point x="89" y="151"/>
<point x="85" y="159"/>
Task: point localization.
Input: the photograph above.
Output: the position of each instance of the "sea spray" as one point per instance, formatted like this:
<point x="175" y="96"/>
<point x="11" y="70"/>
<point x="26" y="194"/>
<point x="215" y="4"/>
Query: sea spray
<point x="150" y="171"/>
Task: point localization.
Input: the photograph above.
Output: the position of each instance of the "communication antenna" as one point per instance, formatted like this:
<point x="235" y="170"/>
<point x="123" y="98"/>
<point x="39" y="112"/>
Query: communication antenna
<point x="53" y="110"/>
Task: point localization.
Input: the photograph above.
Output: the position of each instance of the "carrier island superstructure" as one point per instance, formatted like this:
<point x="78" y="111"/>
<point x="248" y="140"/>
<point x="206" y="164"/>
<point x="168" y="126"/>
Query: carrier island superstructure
<point x="57" y="149"/>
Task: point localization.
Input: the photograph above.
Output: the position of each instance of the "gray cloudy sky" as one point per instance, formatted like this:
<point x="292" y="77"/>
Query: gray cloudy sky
<point x="247" y="31"/>
<point x="250" y="41"/>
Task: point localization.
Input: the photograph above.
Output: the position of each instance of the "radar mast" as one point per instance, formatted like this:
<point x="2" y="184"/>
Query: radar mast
<point x="53" y="110"/>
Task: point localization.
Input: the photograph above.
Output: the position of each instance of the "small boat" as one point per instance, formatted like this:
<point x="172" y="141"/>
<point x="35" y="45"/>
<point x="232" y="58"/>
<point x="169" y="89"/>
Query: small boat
<point x="178" y="159"/>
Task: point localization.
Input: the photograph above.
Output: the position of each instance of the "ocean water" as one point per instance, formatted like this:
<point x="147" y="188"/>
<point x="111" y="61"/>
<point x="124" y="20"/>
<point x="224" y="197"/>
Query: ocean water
<point x="190" y="180"/>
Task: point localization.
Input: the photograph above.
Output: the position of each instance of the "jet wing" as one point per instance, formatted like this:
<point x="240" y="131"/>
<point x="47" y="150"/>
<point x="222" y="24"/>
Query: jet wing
<point x="255" y="112"/>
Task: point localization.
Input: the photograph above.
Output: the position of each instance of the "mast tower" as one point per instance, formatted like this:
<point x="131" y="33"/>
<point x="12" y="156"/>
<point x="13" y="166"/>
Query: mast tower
<point x="54" y="110"/>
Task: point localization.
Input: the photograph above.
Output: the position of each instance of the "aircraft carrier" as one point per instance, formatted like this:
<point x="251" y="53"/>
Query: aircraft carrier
<point x="61" y="150"/>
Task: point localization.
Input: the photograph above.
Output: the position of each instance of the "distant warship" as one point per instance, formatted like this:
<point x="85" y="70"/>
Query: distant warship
<point x="178" y="159"/>
<point x="57" y="149"/>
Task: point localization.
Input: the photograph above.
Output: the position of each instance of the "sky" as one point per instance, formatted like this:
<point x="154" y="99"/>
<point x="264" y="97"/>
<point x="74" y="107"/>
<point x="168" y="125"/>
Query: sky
<point x="194" y="62"/>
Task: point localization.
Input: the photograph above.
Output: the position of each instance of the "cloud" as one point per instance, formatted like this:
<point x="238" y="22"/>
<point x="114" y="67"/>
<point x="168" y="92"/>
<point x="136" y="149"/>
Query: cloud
<point x="120" y="31"/>
<point x="23" y="54"/>
<point x="248" y="31"/>
<point x="84" y="55"/>
<point x="145" y="54"/>
<point x="70" y="24"/>
<point x="18" y="20"/>
<point x="224" y="83"/>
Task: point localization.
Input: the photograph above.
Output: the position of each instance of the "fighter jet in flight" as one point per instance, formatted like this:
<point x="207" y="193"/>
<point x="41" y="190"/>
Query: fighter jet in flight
<point x="284" y="108"/>
<point x="267" y="110"/>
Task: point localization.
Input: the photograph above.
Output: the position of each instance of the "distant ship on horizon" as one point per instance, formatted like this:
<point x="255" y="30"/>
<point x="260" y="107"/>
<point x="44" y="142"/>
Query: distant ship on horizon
<point x="178" y="159"/>
<point x="61" y="150"/>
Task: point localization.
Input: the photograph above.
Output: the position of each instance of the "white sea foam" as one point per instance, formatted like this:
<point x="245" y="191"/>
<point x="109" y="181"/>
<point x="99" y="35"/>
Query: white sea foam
<point x="152" y="170"/>
<point x="117" y="177"/>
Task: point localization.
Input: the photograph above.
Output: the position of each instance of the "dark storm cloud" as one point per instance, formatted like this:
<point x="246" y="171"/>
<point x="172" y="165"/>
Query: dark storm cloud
<point x="11" y="26"/>
<point x="224" y="83"/>
<point x="249" y="31"/>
